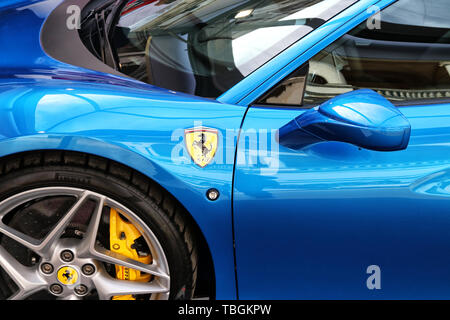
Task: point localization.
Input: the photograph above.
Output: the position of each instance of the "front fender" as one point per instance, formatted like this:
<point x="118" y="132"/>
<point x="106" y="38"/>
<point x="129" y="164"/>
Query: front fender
<point x="142" y="129"/>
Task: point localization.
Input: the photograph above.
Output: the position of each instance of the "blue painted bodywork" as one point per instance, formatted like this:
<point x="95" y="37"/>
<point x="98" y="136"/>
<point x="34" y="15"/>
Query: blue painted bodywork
<point x="361" y="117"/>
<point x="330" y="210"/>
<point x="47" y="104"/>
<point x="306" y="227"/>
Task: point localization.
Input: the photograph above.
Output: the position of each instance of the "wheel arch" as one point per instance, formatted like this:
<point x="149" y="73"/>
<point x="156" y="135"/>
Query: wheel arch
<point x="79" y="149"/>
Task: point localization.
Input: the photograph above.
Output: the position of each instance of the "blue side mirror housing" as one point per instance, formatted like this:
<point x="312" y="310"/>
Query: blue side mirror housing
<point x="362" y="117"/>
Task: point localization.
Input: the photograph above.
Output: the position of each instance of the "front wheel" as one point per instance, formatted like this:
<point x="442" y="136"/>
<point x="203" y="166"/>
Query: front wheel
<point x="75" y="226"/>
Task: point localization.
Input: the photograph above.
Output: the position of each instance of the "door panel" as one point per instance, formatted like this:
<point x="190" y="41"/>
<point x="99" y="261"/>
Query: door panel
<point x="311" y="228"/>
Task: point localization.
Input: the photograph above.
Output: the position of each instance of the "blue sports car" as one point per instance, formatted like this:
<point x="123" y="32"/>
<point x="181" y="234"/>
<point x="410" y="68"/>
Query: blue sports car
<point x="224" y="149"/>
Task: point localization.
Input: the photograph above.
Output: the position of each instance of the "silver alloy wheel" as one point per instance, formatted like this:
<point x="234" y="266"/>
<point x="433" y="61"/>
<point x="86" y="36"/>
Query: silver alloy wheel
<point x="87" y="254"/>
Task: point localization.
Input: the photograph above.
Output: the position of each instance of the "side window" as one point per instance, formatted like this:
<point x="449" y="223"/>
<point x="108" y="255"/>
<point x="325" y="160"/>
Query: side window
<point x="290" y="91"/>
<point x="405" y="57"/>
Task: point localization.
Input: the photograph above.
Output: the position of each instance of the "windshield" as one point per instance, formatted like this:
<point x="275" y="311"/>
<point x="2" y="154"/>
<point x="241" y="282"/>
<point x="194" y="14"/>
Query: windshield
<point x="204" y="47"/>
<point x="421" y="13"/>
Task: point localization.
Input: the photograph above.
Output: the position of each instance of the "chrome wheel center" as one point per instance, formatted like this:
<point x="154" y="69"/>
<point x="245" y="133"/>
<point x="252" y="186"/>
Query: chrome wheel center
<point x="66" y="274"/>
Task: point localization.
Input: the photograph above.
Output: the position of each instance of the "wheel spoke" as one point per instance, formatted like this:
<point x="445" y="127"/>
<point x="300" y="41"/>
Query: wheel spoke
<point x="108" y="287"/>
<point x="70" y="297"/>
<point x="114" y="258"/>
<point x="44" y="247"/>
<point x="26" y="278"/>
<point x="92" y="229"/>
<point x="21" y="238"/>
<point x="88" y="249"/>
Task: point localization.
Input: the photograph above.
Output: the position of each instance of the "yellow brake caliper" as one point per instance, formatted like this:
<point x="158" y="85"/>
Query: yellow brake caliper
<point x="122" y="237"/>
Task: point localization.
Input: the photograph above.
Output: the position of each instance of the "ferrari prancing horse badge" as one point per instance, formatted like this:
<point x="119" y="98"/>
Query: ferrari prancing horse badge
<point x="201" y="143"/>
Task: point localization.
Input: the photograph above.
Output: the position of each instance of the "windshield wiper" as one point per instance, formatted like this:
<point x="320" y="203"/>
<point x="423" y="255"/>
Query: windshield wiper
<point x="99" y="22"/>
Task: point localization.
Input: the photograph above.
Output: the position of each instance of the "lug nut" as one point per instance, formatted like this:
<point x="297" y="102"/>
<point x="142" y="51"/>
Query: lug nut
<point x="81" y="290"/>
<point x="67" y="255"/>
<point x="56" y="289"/>
<point x="88" y="269"/>
<point x="47" y="268"/>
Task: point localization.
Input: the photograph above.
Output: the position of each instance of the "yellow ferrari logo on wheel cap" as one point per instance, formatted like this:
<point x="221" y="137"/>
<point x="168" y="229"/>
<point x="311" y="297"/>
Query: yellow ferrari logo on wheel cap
<point x="201" y="143"/>
<point x="67" y="275"/>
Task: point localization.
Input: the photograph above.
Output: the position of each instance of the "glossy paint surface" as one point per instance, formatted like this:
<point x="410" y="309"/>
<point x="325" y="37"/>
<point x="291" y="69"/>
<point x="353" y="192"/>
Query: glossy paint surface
<point x="331" y="210"/>
<point x="143" y="129"/>
<point x="347" y="209"/>
<point x="307" y="222"/>
<point x="47" y="104"/>
<point x="361" y="117"/>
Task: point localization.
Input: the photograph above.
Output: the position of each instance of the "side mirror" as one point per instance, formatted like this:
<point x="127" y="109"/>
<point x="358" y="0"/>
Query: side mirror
<point x="362" y="117"/>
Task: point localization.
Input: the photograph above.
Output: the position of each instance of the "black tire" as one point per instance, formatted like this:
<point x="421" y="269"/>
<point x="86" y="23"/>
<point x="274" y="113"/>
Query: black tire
<point x="156" y="207"/>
